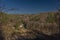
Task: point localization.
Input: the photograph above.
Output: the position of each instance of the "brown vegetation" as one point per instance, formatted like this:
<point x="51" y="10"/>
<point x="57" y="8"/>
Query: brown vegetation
<point x="36" y="25"/>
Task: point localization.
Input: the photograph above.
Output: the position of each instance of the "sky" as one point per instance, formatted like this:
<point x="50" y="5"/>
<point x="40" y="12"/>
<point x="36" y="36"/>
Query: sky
<point x="30" y="6"/>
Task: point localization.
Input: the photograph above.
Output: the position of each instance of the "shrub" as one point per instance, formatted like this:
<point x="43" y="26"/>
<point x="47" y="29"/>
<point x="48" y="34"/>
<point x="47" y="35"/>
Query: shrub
<point x="16" y="26"/>
<point x="3" y="18"/>
<point x="35" y="18"/>
<point x="51" y="18"/>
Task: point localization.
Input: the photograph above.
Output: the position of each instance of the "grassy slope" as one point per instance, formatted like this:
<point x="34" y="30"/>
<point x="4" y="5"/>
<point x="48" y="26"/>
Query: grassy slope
<point x="35" y="22"/>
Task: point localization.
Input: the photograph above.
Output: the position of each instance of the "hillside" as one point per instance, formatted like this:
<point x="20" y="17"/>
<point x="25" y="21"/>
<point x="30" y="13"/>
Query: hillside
<point x="42" y="26"/>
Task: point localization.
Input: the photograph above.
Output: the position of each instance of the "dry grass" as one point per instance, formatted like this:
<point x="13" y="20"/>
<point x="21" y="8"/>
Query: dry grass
<point x="35" y="22"/>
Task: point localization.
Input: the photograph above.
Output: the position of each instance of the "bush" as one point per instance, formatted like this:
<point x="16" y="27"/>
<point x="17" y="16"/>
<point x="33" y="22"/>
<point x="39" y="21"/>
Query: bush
<point x="16" y="26"/>
<point x="35" y="18"/>
<point x="3" y="18"/>
<point x="51" y="18"/>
